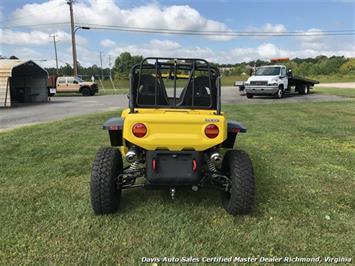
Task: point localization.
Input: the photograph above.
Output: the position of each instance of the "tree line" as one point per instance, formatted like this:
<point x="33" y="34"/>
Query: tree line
<point x="320" y="65"/>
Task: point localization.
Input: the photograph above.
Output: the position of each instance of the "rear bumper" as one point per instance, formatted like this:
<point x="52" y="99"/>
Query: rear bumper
<point x="262" y="90"/>
<point x="173" y="168"/>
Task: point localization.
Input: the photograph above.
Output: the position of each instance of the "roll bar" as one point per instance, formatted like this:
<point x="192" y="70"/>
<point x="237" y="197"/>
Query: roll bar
<point x="189" y="64"/>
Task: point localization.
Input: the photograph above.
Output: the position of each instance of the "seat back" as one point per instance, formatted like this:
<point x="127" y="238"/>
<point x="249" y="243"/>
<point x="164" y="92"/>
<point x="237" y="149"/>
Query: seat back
<point x="203" y="94"/>
<point x="146" y="91"/>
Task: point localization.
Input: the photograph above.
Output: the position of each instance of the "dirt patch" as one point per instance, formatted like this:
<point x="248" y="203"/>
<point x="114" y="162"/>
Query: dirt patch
<point x="340" y="85"/>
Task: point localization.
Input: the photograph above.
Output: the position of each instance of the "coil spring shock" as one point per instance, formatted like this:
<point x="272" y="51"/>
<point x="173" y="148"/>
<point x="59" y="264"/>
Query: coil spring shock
<point x="211" y="166"/>
<point x="133" y="167"/>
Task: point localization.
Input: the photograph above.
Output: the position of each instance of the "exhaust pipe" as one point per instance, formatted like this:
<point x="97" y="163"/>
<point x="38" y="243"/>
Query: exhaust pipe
<point x="131" y="155"/>
<point x="216" y="157"/>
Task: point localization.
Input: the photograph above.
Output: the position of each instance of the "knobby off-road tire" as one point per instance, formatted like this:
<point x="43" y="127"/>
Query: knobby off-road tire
<point x="238" y="167"/>
<point x="104" y="191"/>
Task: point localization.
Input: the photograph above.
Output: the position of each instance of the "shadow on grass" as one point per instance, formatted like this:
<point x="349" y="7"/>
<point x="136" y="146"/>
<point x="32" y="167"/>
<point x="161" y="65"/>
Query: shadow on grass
<point x="136" y="198"/>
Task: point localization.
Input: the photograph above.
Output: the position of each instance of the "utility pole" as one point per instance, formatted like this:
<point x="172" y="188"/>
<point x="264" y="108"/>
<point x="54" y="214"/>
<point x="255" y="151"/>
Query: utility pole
<point x="102" y="71"/>
<point x="55" y="50"/>
<point x="75" y="65"/>
<point x="109" y="64"/>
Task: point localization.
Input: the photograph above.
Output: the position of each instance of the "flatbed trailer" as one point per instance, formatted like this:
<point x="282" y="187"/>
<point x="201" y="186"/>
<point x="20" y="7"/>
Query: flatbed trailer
<point x="297" y="80"/>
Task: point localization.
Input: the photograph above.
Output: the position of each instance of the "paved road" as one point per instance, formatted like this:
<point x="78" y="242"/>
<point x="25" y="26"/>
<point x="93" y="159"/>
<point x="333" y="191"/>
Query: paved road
<point x="61" y="107"/>
<point x="58" y="108"/>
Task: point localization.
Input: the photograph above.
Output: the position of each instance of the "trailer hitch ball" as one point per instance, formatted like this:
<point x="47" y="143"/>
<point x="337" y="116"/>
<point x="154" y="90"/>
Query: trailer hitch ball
<point x="172" y="193"/>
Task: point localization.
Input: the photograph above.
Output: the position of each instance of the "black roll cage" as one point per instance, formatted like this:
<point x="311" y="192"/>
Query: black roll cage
<point x="189" y="64"/>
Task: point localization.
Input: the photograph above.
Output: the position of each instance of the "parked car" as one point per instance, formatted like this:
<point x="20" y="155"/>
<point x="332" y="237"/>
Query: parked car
<point x="72" y="84"/>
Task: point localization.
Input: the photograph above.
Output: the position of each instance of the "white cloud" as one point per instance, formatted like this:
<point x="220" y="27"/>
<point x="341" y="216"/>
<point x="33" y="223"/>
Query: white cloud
<point x="165" y="44"/>
<point x="268" y="28"/>
<point x="168" y="48"/>
<point x="313" y="39"/>
<point x="35" y="37"/>
<point x="107" y="43"/>
<point x="52" y="11"/>
<point x="265" y="51"/>
<point x="1" y="13"/>
<point x="269" y="50"/>
<point x="107" y="12"/>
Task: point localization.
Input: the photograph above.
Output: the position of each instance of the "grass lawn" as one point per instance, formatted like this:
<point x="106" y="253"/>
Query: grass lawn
<point x="304" y="162"/>
<point x="121" y="87"/>
<point x="336" y="91"/>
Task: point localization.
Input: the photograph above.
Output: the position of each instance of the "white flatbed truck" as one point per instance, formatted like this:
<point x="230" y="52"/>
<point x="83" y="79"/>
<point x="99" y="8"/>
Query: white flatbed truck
<point x="276" y="80"/>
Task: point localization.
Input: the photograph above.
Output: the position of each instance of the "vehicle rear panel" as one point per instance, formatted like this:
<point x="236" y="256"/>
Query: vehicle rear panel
<point x="174" y="130"/>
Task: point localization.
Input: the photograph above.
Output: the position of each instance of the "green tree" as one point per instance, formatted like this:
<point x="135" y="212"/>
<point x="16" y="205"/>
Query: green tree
<point x="348" y="66"/>
<point x="124" y="63"/>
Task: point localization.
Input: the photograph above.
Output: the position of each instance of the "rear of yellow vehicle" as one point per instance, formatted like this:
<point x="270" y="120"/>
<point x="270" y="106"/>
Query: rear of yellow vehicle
<point x="173" y="139"/>
<point x="174" y="129"/>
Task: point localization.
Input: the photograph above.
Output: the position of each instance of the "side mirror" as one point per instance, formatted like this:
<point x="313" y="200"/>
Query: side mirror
<point x="75" y="82"/>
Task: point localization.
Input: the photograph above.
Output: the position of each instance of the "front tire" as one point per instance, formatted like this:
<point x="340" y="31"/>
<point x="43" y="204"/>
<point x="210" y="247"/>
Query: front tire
<point x="280" y="93"/>
<point x="85" y="91"/>
<point x="240" y="198"/>
<point x="104" y="188"/>
<point x="250" y="96"/>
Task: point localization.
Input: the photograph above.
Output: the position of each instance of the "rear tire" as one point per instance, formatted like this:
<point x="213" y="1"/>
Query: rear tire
<point x="240" y="198"/>
<point x="304" y="89"/>
<point x="250" y="96"/>
<point x="104" y="188"/>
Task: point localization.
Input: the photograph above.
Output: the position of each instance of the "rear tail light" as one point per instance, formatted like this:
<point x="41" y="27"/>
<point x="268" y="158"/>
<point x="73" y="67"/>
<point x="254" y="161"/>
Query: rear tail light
<point x="139" y="130"/>
<point x="194" y="165"/>
<point x="154" y="164"/>
<point x="211" y="131"/>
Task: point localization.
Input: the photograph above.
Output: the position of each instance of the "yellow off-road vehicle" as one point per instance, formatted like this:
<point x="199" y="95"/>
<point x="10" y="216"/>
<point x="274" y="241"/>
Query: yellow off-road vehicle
<point x="173" y="138"/>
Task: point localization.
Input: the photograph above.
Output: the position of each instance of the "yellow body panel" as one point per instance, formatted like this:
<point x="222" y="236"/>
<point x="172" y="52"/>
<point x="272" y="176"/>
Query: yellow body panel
<point x="174" y="129"/>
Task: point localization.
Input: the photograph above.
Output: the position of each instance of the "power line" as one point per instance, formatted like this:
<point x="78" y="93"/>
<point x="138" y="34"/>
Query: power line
<point x="215" y="31"/>
<point x="222" y="33"/>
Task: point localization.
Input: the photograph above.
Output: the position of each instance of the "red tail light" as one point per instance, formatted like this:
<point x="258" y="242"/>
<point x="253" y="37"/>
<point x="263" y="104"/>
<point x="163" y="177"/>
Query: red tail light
<point x="139" y="130"/>
<point x="211" y="131"/>
<point x="194" y="165"/>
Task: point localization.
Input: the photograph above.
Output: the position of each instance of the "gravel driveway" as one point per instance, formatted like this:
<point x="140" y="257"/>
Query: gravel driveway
<point x="61" y="107"/>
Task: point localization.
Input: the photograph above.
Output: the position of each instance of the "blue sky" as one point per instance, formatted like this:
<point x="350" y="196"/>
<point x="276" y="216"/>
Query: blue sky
<point x="33" y="42"/>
